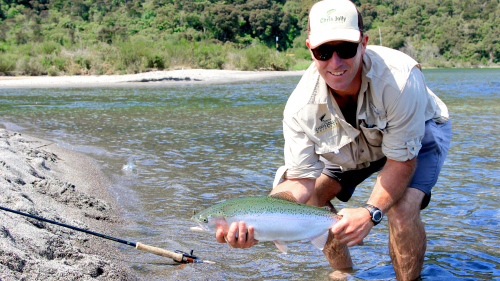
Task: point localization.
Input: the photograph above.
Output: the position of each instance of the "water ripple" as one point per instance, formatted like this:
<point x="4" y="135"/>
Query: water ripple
<point x="172" y="150"/>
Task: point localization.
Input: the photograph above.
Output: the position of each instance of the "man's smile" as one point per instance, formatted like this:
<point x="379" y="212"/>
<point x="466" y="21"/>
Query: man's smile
<point x="338" y="73"/>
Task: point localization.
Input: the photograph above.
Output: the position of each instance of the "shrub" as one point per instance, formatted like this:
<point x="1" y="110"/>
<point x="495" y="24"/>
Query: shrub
<point x="83" y="62"/>
<point x="234" y="60"/>
<point x="210" y="56"/>
<point x="50" y="48"/>
<point x="130" y="55"/>
<point x="300" y="53"/>
<point x="256" y="57"/>
<point x="7" y="63"/>
<point x="154" y="61"/>
<point x="30" y="66"/>
<point x="280" y="62"/>
<point x="301" y="64"/>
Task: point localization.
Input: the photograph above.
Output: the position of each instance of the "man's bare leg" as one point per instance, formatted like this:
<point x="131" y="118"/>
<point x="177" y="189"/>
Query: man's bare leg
<point x="337" y="253"/>
<point x="407" y="238"/>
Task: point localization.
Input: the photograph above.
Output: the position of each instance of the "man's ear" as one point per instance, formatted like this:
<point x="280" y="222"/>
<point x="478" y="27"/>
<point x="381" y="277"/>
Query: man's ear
<point x="365" y="39"/>
<point x="364" y="44"/>
<point x="308" y="44"/>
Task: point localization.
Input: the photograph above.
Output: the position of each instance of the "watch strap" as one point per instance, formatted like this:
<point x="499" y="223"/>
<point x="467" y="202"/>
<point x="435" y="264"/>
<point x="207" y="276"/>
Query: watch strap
<point x="373" y="211"/>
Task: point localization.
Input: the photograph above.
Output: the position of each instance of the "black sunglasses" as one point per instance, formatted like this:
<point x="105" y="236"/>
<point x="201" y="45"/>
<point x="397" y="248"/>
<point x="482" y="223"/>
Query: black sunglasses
<point x="344" y="50"/>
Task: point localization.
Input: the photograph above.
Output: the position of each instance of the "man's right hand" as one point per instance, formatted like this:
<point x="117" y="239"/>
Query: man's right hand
<point x="237" y="235"/>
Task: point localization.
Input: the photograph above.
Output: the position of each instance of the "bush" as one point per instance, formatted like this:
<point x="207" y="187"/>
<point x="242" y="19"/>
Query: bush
<point x="210" y="56"/>
<point x="180" y="53"/>
<point x="50" y="48"/>
<point x="7" y="63"/>
<point x="280" y="62"/>
<point x="234" y="60"/>
<point x="137" y="54"/>
<point x="154" y="61"/>
<point x="131" y="54"/>
<point x="83" y="62"/>
<point x="51" y="61"/>
<point x="30" y="66"/>
<point x="300" y="53"/>
<point x="301" y="64"/>
<point x="256" y="57"/>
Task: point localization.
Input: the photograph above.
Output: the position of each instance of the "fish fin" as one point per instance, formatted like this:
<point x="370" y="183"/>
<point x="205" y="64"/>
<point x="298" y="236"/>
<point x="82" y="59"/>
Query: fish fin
<point x="319" y="240"/>
<point x="281" y="245"/>
<point x="285" y="195"/>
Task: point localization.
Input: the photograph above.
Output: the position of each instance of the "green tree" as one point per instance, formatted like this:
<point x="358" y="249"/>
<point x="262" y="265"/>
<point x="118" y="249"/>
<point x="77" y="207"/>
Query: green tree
<point x="224" y="25"/>
<point x="81" y="9"/>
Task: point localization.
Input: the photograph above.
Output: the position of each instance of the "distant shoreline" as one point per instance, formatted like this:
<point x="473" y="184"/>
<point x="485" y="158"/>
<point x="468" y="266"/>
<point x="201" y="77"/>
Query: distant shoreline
<point x="154" y="78"/>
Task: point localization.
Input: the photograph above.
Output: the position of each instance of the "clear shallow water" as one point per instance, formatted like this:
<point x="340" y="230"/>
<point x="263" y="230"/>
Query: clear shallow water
<point x="170" y="150"/>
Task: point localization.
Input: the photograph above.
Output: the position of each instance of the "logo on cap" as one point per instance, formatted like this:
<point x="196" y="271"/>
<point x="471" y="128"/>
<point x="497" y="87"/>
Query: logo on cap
<point x="329" y="12"/>
<point x="335" y="19"/>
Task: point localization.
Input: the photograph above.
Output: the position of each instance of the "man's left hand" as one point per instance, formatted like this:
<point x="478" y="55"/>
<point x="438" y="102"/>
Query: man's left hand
<point x="354" y="226"/>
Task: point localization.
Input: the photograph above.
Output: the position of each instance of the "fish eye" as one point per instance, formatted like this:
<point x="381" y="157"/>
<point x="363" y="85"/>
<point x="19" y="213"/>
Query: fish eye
<point x="205" y="220"/>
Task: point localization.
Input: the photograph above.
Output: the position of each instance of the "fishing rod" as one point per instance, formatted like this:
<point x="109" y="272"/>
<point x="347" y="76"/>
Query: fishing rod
<point x="178" y="256"/>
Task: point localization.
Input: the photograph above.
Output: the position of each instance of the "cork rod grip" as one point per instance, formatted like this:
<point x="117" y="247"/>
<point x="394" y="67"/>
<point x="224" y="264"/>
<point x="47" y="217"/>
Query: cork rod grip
<point x="160" y="252"/>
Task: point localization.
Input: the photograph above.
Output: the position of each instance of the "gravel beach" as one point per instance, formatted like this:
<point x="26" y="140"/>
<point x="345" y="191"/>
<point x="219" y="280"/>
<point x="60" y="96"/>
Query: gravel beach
<point x="43" y="179"/>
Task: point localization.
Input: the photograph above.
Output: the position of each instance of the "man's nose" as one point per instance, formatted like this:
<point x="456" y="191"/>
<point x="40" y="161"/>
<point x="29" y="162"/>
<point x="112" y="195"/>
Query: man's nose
<point x="335" y="60"/>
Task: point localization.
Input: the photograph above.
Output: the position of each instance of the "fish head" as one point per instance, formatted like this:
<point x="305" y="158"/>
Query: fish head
<point x="208" y="221"/>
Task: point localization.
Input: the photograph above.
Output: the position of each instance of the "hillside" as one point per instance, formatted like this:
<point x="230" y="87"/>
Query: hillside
<point x="120" y="36"/>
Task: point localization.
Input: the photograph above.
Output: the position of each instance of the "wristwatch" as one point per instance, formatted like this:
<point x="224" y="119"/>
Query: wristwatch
<point x="375" y="213"/>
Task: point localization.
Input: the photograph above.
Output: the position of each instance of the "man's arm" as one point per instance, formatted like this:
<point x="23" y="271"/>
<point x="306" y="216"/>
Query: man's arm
<point x="391" y="183"/>
<point x="301" y="189"/>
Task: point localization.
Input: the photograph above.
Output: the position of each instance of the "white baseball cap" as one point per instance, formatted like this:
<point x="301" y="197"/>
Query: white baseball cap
<point x="331" y="20"/>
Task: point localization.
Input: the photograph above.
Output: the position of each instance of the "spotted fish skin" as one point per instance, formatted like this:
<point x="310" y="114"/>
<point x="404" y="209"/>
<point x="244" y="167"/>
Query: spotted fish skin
<point x="273" y="218"/>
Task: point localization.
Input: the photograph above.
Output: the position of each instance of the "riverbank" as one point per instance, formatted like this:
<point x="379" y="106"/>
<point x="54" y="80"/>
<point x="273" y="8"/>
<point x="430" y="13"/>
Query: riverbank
<point x="40" y="178"/>
<point x="154" y="78"/>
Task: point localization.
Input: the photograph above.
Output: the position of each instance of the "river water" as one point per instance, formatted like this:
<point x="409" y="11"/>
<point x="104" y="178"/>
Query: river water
<point x="172" y="150"/>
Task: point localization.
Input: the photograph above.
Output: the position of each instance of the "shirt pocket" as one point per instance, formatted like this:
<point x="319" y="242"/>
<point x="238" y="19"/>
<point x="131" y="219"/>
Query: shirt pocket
<point x="372" y="135"/>
<point x="340" y="156"/>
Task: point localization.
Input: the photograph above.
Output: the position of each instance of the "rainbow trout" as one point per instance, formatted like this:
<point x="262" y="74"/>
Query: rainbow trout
<point x="276" y="218"/>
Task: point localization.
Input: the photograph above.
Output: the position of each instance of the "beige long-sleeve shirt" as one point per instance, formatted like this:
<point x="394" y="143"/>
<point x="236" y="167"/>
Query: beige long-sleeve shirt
<point x="393" y="105"/>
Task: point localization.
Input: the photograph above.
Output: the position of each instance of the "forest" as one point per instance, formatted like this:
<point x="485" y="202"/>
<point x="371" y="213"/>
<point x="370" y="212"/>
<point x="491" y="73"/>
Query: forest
<point x="78" y="37"/>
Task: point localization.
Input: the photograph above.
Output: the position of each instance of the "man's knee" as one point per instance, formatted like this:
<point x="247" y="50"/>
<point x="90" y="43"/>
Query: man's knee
<point x="407" y="208"/>
<point x="325" y="190"/>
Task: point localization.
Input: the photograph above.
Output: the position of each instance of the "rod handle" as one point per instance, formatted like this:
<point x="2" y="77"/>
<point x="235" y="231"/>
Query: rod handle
<point x="160" y="252"/>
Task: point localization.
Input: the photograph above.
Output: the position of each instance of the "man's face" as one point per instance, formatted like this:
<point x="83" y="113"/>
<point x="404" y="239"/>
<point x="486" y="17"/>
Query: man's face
<point x="342" y="75"/>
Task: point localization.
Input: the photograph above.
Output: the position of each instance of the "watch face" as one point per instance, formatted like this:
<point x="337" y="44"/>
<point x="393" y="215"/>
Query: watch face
<point x="377" y="216"/>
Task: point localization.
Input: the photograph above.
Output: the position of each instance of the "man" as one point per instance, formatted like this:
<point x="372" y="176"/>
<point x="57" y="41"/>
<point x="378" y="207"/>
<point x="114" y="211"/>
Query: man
<point x="358" y="110"/>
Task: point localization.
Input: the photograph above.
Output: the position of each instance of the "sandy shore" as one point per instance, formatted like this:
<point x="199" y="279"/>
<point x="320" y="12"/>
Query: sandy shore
<point x="43" y="179"/>
<point x="155" y="78"/>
